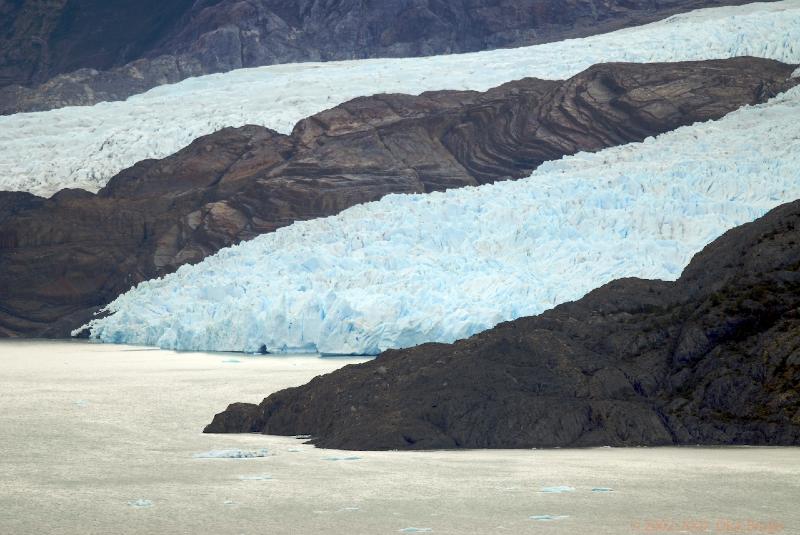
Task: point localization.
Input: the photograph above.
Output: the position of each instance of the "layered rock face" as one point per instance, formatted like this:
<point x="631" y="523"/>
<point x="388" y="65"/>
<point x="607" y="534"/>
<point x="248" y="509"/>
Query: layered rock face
<point x="56" y="53"/>
<point x="709" y="359"/>
<point x="63" y="258"/>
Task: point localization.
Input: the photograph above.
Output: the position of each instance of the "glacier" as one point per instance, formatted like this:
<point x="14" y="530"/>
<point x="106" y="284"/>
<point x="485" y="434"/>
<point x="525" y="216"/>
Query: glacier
<point x="83" y="147"/>
<point x="410" y="269"/>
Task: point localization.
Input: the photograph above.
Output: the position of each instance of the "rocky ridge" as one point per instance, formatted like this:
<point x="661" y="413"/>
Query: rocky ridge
<point x="79" y="52"/>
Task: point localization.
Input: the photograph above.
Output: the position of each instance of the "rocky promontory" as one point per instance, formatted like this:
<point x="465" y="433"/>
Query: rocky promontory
<point x="713" y="358"/>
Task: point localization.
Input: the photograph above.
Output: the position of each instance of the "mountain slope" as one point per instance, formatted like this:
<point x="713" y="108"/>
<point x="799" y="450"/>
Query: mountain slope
<point x="443" y="266"/>
<point x="62" y="258"/>
<point x="710" y="359"/>
<point x="84" y="147"/>
<point x="111" y="50"/>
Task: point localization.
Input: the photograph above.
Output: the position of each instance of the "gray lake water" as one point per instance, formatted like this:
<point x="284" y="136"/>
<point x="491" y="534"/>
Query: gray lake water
<point x="107" y="439"/>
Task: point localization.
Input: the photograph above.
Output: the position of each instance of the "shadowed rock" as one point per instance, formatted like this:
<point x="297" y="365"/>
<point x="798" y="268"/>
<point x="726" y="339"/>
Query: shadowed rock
<point x="57" y="53"/>
<point x="63" y="258"/>
<point x="710" y="359"/>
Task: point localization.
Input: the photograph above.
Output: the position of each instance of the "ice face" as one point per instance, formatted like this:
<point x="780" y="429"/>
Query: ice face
<point x="82" y="147"/>
<point x="411" y="269"/>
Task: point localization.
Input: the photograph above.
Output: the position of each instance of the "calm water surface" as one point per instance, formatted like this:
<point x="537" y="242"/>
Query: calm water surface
<point x="106" y="439"/>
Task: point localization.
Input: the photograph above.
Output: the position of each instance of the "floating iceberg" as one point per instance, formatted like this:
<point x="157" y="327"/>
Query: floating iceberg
<point x="548" y="518"/>
<point x="410" y="269"/>
<point x="256" y="478"/>
<point x="85" y="146"/>
<point x="557" y="490"/>
<point x="232" y="454"/>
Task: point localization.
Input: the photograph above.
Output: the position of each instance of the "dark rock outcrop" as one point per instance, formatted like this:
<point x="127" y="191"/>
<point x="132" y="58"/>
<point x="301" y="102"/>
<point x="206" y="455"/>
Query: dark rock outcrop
<point x="713" y="358"/>
<point x="62" y="258"/>
<point x="56" y="53"/>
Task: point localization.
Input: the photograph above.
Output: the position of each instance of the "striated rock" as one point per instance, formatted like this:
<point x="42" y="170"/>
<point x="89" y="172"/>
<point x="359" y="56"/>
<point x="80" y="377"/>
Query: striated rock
<point x="709" y="359"/>
<point x="63" y="258"/>
<point x="57" y="53"/>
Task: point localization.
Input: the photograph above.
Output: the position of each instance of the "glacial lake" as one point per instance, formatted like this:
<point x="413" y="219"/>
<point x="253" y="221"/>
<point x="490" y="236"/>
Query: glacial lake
<point x="107" y="439"/>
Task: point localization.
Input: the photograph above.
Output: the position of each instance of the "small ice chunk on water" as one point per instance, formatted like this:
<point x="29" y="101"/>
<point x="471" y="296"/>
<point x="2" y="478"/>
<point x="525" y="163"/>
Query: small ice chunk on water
<point x="547" y="518"/>
<point x="557" y="490"/>
<point x="796" y="73"/>
<point x="140" y="503"/>
<point x="349" y="509"/>
<point x="342" y="459"/>
<point x="263" y="477"/>
<point x="232" y="454"/>
<point x="602" y="489"/>
<point x="82" y="403"/>
<point x="416" y="530"/>
<point x="229" y="502"/>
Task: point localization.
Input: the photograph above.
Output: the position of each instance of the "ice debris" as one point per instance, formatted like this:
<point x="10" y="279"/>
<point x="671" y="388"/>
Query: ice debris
<point x="556" y="490"/>
<point x="232" y="454"/>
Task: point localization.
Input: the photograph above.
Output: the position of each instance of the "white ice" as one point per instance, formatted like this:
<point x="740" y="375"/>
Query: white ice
<point x="84" y="146"/>
<point x="410" y="269"/>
